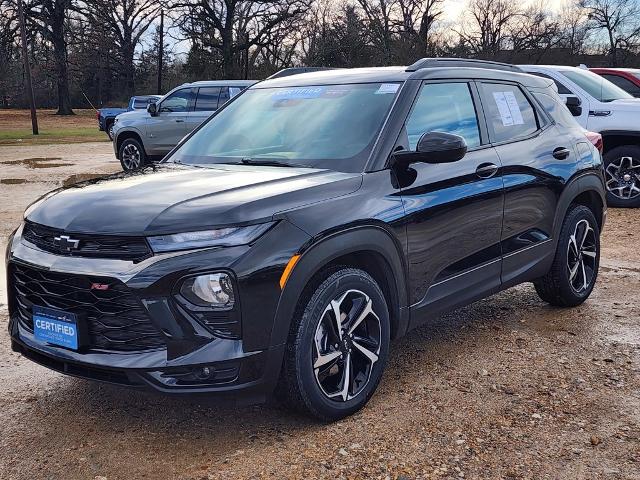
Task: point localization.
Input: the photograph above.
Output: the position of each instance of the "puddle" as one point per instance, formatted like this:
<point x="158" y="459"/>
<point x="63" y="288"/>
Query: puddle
<point x="80" y="177"/>
<point x="37" y="162"/>
<point x="13" y="181"/>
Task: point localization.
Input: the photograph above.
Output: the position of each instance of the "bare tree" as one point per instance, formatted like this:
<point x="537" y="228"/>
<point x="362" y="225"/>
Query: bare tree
<point x="125" y="22"/>
<point x="618" y="19"/>
<point x="534" y="30"/>
<point x="51" y="17"/>
<point x="381" y="23"/>
<point x="486" y="31"/>
<point x="231" y="27"/>
<point x="417" y="18"/>
<point x="574" y="30"/>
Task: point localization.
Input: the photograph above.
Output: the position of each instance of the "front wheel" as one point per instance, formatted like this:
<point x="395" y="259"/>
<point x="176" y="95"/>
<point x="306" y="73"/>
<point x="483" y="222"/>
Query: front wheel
<point x="132" y="155"/>
<point x="338" y="346"/>
<point x="110" y="126"/>
<point x="575" y="266"/>
<point x="622" y="175"/>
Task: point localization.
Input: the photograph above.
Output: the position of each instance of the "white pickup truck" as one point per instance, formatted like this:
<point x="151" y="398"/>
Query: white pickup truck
<point x="600" y="106"/>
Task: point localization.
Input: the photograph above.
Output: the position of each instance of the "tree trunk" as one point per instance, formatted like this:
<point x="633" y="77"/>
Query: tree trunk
<point x="60" y="56"/>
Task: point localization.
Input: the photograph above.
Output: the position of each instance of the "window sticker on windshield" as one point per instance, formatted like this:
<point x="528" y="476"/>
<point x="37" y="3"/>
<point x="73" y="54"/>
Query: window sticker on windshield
<point x="508" y="107"/>
<point x="298" y="93"/>
<point x="387" y="88"/>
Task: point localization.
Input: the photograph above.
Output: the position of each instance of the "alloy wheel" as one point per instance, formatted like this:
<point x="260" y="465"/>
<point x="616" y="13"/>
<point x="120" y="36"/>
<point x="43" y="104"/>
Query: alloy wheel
<point x="131" y="157"/>
<point x="347" y="344"/>
<point x="623" y="177"/>
<point x="582" y="253"/>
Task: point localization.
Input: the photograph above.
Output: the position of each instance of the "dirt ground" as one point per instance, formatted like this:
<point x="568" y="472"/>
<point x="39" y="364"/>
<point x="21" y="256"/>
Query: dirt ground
<point x="505" y="388"/>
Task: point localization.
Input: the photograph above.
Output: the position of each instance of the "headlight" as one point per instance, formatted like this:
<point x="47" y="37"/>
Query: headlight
<point x="223" y="237"/>
<point x="211" y="290"/>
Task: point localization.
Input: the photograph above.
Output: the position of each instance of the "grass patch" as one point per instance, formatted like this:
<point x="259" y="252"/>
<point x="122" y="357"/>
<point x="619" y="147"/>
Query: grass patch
<point x="15" y="128"/>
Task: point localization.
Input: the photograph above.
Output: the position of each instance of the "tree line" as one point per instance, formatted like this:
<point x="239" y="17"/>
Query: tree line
<point x="102" y="51"/>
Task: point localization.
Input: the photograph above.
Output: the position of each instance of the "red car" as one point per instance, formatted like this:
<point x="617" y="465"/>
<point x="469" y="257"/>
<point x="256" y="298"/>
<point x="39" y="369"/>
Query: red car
<point x="627" y="79"/>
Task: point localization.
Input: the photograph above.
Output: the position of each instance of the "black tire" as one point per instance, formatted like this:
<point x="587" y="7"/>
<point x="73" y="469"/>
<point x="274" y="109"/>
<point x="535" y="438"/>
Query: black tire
<point x="109" y="129"/>
<point x="564" y="285"/>
<point x="622" y="175"/>
<point x="307" y="389"/>
<point x="132" y="155"/>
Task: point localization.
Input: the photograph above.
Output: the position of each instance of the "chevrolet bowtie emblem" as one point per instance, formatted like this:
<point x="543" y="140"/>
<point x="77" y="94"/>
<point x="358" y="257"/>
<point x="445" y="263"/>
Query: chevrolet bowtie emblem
<point x="66" y="243"/>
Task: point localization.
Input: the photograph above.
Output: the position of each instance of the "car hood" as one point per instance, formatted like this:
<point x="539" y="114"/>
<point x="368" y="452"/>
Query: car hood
<point x="132" y="115"/>
<point x="172" y="198"/>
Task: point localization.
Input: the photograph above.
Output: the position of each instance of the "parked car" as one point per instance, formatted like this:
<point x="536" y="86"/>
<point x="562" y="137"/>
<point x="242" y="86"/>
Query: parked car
<point x="142" y="136"/>
<point x="288" y="239"/>
<point x="602" y="107"/>
<point x="627" y="79"/>
<point x="106" y="116"/>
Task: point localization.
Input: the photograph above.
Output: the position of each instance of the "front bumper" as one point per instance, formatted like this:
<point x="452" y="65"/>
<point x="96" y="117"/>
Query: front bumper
<point x="193" y="357"/>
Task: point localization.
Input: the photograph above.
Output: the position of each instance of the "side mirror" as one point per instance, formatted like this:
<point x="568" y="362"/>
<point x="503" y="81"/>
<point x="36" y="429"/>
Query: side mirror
<point x="152" y="108"/>
<point x="573" y="104"/>
<point x="434" y="147"/>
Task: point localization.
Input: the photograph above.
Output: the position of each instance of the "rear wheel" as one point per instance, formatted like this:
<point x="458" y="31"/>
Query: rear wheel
<point x="575" y="266"/>
<point x="338" y="346"/>
<point x="622" y="175"/>
<point x="109" y="129"/>
<point x="132" y="155"/>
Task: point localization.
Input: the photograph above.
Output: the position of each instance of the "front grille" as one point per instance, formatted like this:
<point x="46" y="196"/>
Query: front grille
<point x="89" y="245"/>
<point x="115" y="318"/>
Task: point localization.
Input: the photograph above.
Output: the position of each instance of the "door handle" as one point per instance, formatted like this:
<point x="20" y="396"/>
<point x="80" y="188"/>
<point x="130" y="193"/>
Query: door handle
<point x="179" y="120"/>
<point x="561" y="153"/>
<point x="486" y="170"/>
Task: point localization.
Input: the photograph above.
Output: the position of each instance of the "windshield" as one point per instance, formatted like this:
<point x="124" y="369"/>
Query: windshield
<point x="596" y="86"/>
<point x="322" y="126"/>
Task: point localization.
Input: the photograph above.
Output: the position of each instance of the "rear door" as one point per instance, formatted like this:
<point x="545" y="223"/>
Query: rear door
<point x="454" y="210"/>
<point x="167" y="128"/>
<point x="207" y="102"/>
<point x="537" y="157"/>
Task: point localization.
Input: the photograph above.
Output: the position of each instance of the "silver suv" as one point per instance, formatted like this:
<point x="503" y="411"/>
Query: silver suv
<point x="141" y="136"/>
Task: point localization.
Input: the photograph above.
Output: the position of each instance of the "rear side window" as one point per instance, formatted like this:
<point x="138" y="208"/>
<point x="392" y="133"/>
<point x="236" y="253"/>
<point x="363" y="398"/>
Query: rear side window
<point x="509" y="114"/>
<point x="444" y="107"/>
<point x="207" y="99"/>
<point x="562" y="90"/>
<point x="557" y="109"/>
<point x="224" y="96"/>
<point x="623" y="83"/>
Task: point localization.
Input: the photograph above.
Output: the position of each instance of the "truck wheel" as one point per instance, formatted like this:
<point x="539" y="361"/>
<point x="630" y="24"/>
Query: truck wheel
<point x="110" y="130"/>
<point x="575" y="266"/>
<point x="338" y="345"/>
<point x="132" y="155"/>
<point x="622" y="175"/>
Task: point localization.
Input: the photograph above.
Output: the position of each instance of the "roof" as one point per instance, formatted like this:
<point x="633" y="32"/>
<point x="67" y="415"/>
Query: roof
<point x="557" y="68"/>
<point x="615" y="69"/>
<point x="221" y="83"/>
<point x="399" y="74"/>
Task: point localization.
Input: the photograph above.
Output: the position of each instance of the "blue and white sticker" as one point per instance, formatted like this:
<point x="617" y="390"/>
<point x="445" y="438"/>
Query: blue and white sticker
<point x="298" y="93"/>
<point x="388" y="88"/>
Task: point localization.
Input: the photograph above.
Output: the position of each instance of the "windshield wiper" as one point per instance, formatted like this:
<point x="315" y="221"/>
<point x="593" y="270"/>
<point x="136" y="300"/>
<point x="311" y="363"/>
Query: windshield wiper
<point x="269" y="162"/>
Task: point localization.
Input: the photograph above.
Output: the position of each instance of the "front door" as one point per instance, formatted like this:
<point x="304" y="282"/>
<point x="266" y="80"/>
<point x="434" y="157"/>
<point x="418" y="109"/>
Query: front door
<point x="454" y="210"/>
<point x="167" y="128"/>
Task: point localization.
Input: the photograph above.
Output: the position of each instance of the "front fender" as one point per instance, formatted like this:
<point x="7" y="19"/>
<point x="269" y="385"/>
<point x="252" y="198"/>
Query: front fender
<point x="319" y="253"/>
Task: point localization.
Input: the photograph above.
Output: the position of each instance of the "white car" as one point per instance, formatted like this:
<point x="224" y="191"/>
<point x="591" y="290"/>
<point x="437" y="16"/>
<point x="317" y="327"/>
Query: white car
<point x="600" y="106"/>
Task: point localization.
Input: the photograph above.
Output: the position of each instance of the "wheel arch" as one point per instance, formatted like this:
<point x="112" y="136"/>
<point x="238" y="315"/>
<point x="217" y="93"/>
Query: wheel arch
<point x="616" y="138"/>
<point x="122" y="136"/>
<point x="587" y="190"/>
<point x="370" y="248"/>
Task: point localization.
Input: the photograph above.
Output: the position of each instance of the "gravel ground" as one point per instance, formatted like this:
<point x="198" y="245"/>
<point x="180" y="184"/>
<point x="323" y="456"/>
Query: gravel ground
<point x="505" y="388"/>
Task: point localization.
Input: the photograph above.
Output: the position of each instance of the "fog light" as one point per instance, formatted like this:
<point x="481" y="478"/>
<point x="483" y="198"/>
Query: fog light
<point x="213" y="290"/>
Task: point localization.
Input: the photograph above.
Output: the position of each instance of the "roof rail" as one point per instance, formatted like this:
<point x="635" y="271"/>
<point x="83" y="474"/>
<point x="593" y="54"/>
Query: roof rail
<point x="286" y="72"/>
<point x="462" y="62"/>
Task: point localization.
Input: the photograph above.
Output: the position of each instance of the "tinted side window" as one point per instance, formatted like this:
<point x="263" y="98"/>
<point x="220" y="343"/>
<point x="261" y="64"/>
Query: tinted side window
<point x="444" y="107"/>
<point x="207" y="99"/>
<point x="509" y="113"/>
<point x="224" y="96"/>
<point x="623" y="83"/>
<point x="557" y="109"/>
<point x="561" y="88"/>
<point x="178" y="101"/>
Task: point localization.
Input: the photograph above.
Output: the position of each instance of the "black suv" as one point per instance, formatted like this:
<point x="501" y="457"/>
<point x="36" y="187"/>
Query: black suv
<point x="310" y="221"/>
